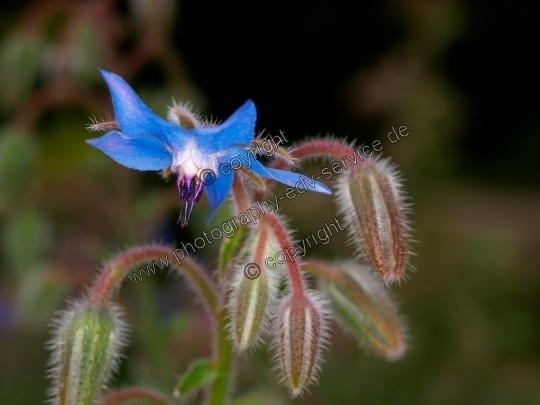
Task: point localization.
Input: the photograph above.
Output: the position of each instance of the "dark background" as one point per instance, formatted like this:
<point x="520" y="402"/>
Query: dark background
<point x="462" y="76"/>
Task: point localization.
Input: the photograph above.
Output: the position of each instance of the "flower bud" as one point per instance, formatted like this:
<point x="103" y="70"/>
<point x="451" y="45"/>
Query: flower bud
<point x="363" y="307"/>
<point x="182" y="115"/>
<point x="254" y="289"/>
<point x="301" y="329"/>
<point x="85" y="349"/>
<point x="372" y="203"/>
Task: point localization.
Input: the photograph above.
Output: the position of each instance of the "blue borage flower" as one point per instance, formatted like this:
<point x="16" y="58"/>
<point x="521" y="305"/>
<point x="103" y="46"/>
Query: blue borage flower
<point x="142" y="140"/>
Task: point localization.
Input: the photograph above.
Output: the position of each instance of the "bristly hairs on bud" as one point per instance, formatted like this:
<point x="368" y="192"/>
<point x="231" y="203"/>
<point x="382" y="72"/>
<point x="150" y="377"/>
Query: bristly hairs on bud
<point x="362" y="306"/>
<point x="67" y="372"/>
<point x="375" y="209"/>
<point x="181" y="114"/>
<point x="95" y="323"/>
<point x="389" y="253"/>
<point x="252" y="296"/>
<point x="277" y="151"/>
<point x="300" y="336"/>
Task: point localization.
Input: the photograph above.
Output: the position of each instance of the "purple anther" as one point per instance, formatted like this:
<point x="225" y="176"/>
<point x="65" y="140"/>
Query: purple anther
<point x="198" y="190"/>
<point x="190" y="191"/>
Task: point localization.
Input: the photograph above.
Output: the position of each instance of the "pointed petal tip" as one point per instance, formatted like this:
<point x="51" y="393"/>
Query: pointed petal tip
<point x="324" y="189"/>
<point x="320" y="188"/>
<point x="246" y="110"/>
<point x="112" y="79"/>
<point x="249" y="104"/>
<point x="292" y="179"/>
<point x="105" y="73"/>
<point x="210" y="216"/>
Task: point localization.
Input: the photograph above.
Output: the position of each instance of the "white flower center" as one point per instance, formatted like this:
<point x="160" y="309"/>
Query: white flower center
<point x="191" y="161"/>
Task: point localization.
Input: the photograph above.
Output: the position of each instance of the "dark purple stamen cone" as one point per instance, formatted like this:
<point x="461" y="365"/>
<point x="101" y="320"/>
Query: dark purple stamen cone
<point x="190" y="191"/>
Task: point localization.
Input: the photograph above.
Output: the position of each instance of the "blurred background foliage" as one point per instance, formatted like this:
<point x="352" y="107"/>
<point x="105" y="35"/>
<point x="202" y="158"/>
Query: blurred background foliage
<point x="460" y="75"/>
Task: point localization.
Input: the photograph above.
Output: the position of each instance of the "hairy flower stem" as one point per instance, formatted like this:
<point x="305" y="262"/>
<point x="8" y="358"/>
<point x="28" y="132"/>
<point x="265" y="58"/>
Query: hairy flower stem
<point x="115" y="272"/>
<point x="241" y="198"/>
<point x="320" y="148"/>
<point x="243" y="202"/>
<point x="223" y="356"/>
<point x="132" y="396"/>
<point x="223" y="346"/>
<point x="295" y="276"/>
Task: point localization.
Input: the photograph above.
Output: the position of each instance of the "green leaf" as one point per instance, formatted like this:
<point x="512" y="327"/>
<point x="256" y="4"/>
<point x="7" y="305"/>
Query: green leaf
<point x="200" y="373"/>
<point x="229" y="248"/>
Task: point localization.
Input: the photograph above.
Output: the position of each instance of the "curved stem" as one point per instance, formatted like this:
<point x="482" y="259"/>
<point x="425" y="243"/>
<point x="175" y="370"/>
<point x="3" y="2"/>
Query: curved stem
<point x="115" y="272"/>
<point x="322" y="148"/>
<point x="127" y="396"/>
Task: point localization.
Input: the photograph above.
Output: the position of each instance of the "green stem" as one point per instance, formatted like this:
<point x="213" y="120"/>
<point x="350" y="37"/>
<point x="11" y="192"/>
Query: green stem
<point x="223" y="354"/>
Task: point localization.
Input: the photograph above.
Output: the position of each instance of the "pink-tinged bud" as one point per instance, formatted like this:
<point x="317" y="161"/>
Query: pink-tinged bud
<point x="182" y="115"/>
<point x="86" y="348"/>
<point x="363" y="307"/>
<point x="301" y="332"/>
<point x="372" y="203"/>
<point x="253" y="289"/>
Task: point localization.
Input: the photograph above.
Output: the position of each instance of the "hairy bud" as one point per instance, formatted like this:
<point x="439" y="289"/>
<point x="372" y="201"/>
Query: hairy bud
<point x="363" y="307"/>
<point x="371" y="200"/>
<point x="254" y="289"/>
<point x="85" y="349"/>
<point x="182" y="115"/>
<point x="301" y="329"/>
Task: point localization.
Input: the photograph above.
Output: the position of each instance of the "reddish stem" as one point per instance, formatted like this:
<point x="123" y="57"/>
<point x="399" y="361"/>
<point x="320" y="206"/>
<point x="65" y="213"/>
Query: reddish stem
<point x="135" y="395"/>
<point x="241" y="197"/>
<point x="115" y="271"/>
<point x="318" y="148"/>
<point x="295" y="276"/>
<point x="258" y="257"/>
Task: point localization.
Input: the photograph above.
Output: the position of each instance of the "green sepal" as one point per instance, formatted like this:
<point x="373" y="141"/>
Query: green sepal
<point x="363" y="307"/>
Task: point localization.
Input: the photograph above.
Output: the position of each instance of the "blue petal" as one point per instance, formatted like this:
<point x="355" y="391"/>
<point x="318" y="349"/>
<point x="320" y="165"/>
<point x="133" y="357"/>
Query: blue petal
<point x="218" y="191"/>
<point x="238" y="129"/>
<point x="136" y="119"/>
<point x="138" y="153"/>
<point x="236" y="156"/>
<point x="289" y="178"/>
